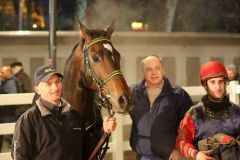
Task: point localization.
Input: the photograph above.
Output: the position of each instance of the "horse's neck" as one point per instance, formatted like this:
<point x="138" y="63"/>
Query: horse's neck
<point x="74" y="91"/>
<point x="86" y="103"/>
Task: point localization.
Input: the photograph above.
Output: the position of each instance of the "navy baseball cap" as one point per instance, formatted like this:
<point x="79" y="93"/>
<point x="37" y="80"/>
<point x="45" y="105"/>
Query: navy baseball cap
<point x="43" y="73"/>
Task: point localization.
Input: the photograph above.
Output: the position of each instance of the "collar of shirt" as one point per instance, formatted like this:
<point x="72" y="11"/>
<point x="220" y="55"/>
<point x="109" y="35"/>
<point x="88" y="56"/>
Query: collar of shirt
<point x="159" y="86"/>
<point x="52" y="108"/>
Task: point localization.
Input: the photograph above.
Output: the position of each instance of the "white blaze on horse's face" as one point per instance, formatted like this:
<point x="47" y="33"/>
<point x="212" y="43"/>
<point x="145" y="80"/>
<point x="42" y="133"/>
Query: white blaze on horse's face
<point x="109" y="48"/>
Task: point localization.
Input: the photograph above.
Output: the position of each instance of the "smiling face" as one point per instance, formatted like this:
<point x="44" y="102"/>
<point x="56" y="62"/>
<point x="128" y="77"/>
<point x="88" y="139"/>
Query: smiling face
<point x="153" y="71"/>
<point x="216" y="88"/>
<point x="51" y="90"/>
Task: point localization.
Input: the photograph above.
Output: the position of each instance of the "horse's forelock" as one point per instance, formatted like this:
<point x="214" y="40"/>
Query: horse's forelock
<point x="95" y="33"/>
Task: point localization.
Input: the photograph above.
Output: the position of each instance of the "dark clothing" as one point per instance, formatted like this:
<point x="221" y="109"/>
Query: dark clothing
<point x="92" y="135"/>
<point x="9" y="85"/>
<point x="207" y="119"/>
<point x="154" y="131"/>
<point x="23" y="82"/>
<point x="23" y="86"/>
<point x="220" y="121"/>
<point x="44" y="134"/>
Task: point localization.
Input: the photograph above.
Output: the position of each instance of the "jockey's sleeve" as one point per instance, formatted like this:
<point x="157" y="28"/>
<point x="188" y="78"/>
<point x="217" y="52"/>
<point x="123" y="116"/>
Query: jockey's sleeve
<point x="185" y="138"/>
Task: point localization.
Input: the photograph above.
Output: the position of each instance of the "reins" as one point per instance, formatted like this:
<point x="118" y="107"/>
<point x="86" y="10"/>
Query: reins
<point x="103" y="99"/>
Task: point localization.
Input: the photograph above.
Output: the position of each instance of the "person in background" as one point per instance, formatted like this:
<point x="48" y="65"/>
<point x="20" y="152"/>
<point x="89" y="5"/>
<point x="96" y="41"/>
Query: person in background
<point x="51" y="128"/>
<point x="8" y="81"/>
<point x="8" y="85"/>
<point x="232" y="72"/>
<point x="158" y="108"/>
<point x="24" y="85"/>
<point x="23" y="80"/>
<point x="210" y="128"/>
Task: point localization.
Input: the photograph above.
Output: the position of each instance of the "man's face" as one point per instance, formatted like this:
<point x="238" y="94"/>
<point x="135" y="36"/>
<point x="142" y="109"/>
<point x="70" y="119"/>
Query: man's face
<point x="231" y="74"/>
<point x="15" y="69"/>
<point x="51" y="90"/>
<point x="4" y="73"/>
<point x="153" y="71"/>
<point x="216" y="87"/>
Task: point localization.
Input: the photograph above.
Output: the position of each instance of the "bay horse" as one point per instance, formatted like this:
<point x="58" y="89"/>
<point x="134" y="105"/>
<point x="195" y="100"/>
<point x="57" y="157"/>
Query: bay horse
<point x="93" y="78"/>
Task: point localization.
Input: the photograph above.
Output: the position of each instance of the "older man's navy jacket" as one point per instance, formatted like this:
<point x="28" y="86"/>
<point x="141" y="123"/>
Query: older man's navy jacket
<point x="154" y="131"/>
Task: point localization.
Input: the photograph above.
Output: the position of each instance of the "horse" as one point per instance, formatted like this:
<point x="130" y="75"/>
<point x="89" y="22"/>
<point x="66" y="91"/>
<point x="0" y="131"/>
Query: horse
<point x="93" y="78"/>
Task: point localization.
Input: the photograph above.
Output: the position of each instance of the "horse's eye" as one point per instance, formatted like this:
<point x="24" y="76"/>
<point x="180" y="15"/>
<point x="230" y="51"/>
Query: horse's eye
<point x="96" y="58"/>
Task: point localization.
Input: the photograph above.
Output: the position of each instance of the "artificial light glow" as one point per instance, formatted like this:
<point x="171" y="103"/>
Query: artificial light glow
<point x="137" y="26"/>
<point x="34" y="26"/>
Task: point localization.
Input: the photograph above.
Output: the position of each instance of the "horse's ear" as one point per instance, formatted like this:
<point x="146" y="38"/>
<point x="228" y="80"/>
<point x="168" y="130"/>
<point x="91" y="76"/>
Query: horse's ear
<point x="84" y="31"/>
<point x="111" y="28"/>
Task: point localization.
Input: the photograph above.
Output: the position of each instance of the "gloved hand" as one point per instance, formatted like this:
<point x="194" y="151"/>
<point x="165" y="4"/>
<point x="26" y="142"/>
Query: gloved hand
<point x="215" y="141"/>
<point x="202" y="155"/>
<point x="224" y="139"/>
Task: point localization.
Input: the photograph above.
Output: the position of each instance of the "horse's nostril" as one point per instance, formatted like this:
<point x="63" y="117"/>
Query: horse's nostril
<point x="122" y="100"/>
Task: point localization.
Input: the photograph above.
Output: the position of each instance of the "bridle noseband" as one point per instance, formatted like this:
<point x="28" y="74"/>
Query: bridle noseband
<point x="96" y="80"/>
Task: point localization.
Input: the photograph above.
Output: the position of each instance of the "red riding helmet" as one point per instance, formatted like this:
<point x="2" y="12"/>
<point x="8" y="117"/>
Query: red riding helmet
<point x="211" y="70"/>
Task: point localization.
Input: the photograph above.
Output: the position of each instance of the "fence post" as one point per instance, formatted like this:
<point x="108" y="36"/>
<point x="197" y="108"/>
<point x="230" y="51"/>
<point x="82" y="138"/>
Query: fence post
<point x="233" y="93"/>
<point x="117" y="139"/>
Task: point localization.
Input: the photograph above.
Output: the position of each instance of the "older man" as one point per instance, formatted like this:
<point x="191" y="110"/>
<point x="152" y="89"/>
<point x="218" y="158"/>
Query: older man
<point x="232" y="72"/>
<point x="158" y="108"/>
<point x="8" y="80"/>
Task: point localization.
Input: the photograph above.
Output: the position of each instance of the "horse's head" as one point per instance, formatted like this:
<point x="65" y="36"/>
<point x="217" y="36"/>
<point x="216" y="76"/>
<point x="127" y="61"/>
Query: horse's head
<point x="101" y="69"/>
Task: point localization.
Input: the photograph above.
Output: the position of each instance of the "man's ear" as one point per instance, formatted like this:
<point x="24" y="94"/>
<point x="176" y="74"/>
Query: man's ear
<point x="36" y="89"/>
<point x="204" y="84"/>
<point x="142" y="72"/>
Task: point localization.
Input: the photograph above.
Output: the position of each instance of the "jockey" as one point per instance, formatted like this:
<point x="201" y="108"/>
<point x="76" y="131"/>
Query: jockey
<point x="210" y="128"/>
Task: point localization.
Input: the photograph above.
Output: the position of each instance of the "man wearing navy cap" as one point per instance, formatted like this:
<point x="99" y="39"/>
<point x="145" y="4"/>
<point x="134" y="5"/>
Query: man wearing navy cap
<point x="50" y="129"/>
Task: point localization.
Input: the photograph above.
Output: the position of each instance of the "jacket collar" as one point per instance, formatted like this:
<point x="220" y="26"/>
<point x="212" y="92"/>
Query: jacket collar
<point x="167" y="87"/>
<point x="44" y="111"/>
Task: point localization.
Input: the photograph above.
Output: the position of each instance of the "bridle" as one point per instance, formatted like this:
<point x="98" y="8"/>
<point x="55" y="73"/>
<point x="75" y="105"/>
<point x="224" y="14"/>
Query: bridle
<point x="103" y="99"/>
<point x="97" y="81"/>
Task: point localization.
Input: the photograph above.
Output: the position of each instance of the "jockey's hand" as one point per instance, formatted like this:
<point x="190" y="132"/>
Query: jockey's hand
<point x="109" y="124"/>
<point x="202" y="155"/>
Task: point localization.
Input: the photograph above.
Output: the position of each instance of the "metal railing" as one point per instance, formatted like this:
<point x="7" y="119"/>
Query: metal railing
<point x="117" y="145"/>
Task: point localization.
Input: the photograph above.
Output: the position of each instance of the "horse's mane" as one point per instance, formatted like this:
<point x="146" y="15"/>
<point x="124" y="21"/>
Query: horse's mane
<point x="77" y="95"/>
<point x="74" y="91"/>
